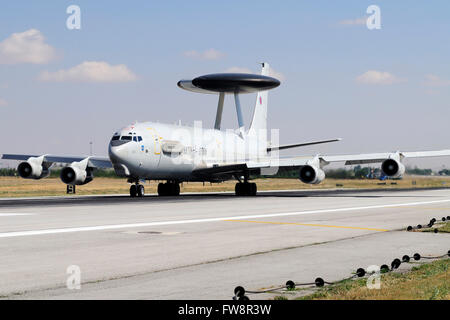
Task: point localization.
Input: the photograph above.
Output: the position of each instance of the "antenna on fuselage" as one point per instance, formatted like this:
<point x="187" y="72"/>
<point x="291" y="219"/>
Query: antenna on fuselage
<point x="230" y="83"/>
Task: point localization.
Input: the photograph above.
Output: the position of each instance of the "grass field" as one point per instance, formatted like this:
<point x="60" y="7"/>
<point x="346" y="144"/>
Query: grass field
<point x="425" y="282"/>
<point x="445" y="228"/>
<point x="441" y="226"/>
<point x="17" y="187"/>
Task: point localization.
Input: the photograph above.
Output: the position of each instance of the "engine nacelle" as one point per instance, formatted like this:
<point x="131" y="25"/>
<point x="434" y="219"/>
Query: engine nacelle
<point x="76" y="176"/>
<point x="393" y="168"/>
<point x="311" y="174"/>
<point x="32" y="170"/>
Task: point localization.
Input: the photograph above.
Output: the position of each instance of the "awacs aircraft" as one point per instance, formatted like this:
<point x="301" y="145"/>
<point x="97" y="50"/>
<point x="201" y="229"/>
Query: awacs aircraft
<point x="176" y="153"/>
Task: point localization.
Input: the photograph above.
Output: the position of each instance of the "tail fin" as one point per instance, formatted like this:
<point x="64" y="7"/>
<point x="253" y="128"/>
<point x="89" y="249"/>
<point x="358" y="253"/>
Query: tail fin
<point x="258" y="126"/>
<point x="259" y="120"/>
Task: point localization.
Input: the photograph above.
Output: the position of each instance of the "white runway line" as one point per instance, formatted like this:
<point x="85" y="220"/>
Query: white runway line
<point x="166" y="223"/>
<point x="7" y="214"/>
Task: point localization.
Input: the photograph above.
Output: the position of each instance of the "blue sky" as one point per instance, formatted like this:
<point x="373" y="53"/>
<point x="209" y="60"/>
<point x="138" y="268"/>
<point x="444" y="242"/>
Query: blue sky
<point x="380" y="90"/>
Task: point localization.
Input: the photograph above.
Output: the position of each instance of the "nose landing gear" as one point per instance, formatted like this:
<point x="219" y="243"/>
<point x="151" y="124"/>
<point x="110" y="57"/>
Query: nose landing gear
<point x="137" y="190"/>
<point x="169" y="189"/>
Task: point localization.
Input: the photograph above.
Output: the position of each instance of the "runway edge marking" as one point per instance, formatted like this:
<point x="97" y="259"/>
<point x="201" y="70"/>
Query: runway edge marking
<point x="165" y="223"/>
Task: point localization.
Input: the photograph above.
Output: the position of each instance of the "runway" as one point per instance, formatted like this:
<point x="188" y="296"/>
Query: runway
<point x="201" y="246"/>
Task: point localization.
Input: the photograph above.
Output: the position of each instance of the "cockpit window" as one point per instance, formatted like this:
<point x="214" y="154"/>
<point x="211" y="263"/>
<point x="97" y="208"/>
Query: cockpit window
<point x="114" y="138"/>
<point x="135" y="138"/>
<point x="126" y="138"/>
<point x="139" y="138"/>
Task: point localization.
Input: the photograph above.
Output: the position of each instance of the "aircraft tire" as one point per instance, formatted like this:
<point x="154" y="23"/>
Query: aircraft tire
<point x="245" y="189"/>
<point x="133" y="191"/>
<point x="238" y="189"/>
<point x="168" y="189"/>
<point x="162" y="189"/>
<point x="252" y="189"/>
<point x="175" y="188"/>
<point x="140" y="190"/>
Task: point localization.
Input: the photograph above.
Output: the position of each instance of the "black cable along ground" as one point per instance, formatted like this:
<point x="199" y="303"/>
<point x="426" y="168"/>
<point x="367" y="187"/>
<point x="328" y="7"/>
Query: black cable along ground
<point x="240" y="292"/>
<point x="429" y="225"/>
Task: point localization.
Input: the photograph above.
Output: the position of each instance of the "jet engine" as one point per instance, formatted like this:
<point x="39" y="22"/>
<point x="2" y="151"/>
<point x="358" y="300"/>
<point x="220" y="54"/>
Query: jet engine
<point x="33" y="170"/>
<point x="393" y="168"/>
<point x="75" y="176"/>
<point x="311" y="174"/>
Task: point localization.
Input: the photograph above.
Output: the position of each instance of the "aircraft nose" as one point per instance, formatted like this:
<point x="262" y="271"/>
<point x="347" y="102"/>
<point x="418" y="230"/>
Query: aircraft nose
<point x="117" y="152"/>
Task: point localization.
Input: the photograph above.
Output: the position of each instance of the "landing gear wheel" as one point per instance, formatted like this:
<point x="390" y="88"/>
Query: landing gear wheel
<point x="245" y="189"/>
<point x="140" y="190"/>
<point x="238" y="189"/>
<point x="252" y="189"/>
<point x="162" y="190"/>
<point x="133" y="191"/>
<point x="168" y="189"/>
<point x="175" y="189"/>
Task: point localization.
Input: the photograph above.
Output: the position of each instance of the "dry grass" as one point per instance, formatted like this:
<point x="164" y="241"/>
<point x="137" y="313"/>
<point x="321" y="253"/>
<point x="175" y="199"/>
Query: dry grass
<point x="440" y="225"/>
<point x="17" y="187"/>
<point x="445" y="228"/>
<point x="426" y="282"/>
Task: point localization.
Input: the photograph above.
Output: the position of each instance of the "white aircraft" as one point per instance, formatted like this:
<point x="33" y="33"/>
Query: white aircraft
<point x="175" y="153"/>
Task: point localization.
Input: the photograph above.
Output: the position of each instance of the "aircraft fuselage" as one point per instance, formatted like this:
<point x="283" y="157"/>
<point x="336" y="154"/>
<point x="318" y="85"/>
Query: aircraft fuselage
<point x="159" y="151"/>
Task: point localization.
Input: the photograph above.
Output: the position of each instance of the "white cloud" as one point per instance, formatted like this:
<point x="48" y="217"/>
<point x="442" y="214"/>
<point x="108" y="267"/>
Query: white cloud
<point x="273" y="72"/>
<point x="210" y="54"/>
<point x="3" y="102"/>
<point x="26" y="47"/>
<point x="354" y="22"/>
<point x="91" y="71"/>
<point x="377" y="77"/>
<point x="435" y="81"/>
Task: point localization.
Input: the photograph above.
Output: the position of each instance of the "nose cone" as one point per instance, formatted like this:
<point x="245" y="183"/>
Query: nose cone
<point x="117" y="152"/>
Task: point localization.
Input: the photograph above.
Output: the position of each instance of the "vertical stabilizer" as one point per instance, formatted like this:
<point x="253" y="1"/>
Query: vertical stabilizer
<point x="258" y="126"/>
<point x="259" y="120"/>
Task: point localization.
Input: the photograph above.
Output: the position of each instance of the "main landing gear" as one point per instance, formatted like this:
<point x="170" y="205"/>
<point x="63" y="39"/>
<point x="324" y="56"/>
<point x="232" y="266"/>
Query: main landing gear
<point x="245" y="189"/>
<point x="169" y="189"/>
<point x="137" y="190"/>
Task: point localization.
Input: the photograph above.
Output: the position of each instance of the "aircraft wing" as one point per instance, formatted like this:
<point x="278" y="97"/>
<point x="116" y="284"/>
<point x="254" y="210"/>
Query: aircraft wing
<point x="380" y="157"/>
<point x="322" y="160"/>
<point x="224" y="171"/>
<point x="303" y="144"/>
<point x="94" y="162"/>
<point x="352" y="159"/>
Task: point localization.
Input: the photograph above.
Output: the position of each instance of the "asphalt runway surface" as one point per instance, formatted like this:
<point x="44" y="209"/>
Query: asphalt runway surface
<point x="201" y="246"/>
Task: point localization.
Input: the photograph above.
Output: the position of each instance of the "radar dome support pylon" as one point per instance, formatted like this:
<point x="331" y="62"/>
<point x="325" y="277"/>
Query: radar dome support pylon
<point x="219" y="112"/>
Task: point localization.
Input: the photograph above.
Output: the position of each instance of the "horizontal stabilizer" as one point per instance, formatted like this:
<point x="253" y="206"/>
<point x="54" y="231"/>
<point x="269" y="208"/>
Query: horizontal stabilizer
<point x="288" y="146"/>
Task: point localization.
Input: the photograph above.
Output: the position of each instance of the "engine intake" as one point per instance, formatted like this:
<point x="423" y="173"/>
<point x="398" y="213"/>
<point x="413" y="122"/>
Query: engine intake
<point x="76" y="176"/>
<point x="392" y="168"/>
<point x="311" y="174"/>
<point x="30" y="170"/>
